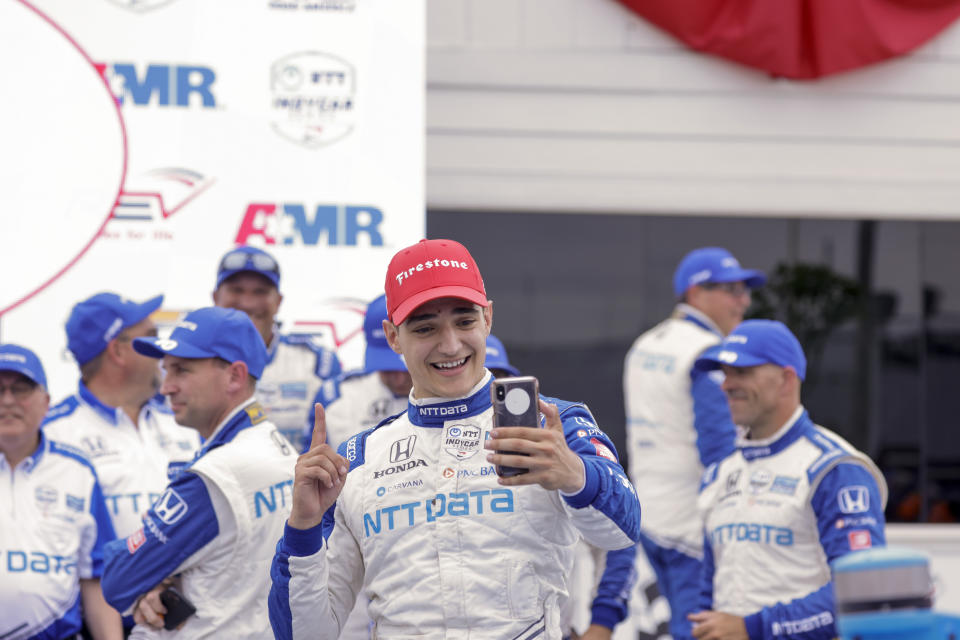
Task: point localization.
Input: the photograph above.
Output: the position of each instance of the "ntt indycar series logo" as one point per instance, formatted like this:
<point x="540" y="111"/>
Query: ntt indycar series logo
<point x="313" y="98"/>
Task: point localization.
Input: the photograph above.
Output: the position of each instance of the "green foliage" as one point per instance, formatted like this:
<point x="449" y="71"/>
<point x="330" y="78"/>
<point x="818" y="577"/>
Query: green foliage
<point x="812" y="300"/>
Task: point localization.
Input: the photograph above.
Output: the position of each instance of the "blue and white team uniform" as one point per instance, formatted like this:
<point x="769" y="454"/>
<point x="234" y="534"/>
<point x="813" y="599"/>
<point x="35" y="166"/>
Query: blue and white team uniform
<point x="297" y="365"/>
<point x="424" y="531"/>
<point x="216" y="526"/>
<point x="52" y="534"/>
<point x="353" y="404"/>
<point x="776" y="513"/>
<point x="678" y="423"/>
<point x="134" y="462"/>
<point x="600" y="587"/>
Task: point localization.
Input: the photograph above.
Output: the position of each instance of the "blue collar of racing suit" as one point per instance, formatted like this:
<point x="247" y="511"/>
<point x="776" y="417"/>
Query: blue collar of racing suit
<point x="433" y="412"/>
<point x="793" y="430"/>
<point x="690" y="313"/>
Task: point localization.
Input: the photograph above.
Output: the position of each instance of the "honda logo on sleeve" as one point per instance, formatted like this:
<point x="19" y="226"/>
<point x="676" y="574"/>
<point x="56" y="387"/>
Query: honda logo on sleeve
<point x="402" y="449"/>
<point x="170" y="507"/>
<point x="854" y="499"/>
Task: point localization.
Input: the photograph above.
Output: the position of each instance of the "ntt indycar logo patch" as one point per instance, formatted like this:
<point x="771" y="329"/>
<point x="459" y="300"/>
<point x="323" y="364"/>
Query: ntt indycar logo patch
<point x="430" y="264"/>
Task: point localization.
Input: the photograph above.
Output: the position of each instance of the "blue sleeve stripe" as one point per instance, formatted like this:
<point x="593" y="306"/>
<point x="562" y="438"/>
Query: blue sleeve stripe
<point x="105" y="531"/>
<point x="606" y="487"/>
<point x="165" y="541"/>
<point x="278" y="604"/>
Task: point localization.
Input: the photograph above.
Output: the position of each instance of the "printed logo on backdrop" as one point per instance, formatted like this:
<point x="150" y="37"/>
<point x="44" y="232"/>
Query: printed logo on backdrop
<point x="160" y="84"/>
<point x="346" y="6"/>
<point x="313" y="98"/>
<point x="149" y="199"/>
<point x="140" y="5"/>
<point x="292" y="223"/>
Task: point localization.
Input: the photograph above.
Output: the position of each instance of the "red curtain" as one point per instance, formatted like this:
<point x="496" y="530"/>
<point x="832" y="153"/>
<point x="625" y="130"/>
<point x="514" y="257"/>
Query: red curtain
<point x="801" y="38"/>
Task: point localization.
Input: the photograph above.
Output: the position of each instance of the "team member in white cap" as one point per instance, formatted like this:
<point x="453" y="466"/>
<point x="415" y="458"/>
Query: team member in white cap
<point x="115" y="417"/>
<point x="409" y="513"/>
<point x="215" y="526"/>
<point x="54" y="523"/>
<point x="677" y="418"/>
<point x="792" y="498"/>
<point x="248" y="279"/>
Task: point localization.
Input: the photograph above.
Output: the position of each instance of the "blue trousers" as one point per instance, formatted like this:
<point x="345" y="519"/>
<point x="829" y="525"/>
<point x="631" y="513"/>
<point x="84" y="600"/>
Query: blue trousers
<point x="678" y="578"/>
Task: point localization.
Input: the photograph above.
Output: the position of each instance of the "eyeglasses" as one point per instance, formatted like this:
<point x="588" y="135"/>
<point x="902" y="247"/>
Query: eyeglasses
<point x="735" y="289"/>
<point x="237" y="260"/>
<point x="21" y="389"/>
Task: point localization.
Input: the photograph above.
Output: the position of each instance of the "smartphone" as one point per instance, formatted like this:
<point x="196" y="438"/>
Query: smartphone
<point x="178" y="608"/>
<point x="515" y="405"/>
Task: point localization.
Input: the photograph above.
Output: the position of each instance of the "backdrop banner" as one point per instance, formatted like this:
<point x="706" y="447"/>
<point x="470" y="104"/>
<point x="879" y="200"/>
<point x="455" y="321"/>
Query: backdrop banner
<point x="144" y="138"/>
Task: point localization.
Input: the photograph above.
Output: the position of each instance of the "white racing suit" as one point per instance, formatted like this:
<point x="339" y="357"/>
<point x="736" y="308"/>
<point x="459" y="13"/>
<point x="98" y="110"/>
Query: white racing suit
<point x="440" y="549"/>
<point x="776" y="512"/>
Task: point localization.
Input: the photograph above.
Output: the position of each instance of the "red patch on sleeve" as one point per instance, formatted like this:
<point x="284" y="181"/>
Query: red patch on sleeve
<point x="603" y="450"/>
<point x="859" y="540"/>
<point x="135" y="540"/>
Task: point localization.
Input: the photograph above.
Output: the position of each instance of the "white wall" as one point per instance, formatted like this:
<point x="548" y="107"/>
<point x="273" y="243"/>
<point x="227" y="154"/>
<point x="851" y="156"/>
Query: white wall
<point x="579" y="105"/>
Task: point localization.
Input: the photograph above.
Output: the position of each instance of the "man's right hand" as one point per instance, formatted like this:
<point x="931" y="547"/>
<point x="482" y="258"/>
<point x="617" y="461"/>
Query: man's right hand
<point x="319" y="477"/>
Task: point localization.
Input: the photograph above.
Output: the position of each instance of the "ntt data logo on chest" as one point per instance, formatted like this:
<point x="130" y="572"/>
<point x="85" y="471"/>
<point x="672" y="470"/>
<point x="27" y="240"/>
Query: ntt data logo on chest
<point x="161" y="85"/>
<point x="299" y="224"/>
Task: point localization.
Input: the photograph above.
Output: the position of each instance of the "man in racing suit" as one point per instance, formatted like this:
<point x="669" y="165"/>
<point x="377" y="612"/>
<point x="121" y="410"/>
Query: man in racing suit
<point x="53" y="521"/>
<point x="248" y="279"/>
<point x="678" y="421"/>
<point x="792" y="498"/>
<point x="411" y="513"/>
<point x="115" y="418"/>
<point x="354" y="402"/>
<point x="213" y="530"/>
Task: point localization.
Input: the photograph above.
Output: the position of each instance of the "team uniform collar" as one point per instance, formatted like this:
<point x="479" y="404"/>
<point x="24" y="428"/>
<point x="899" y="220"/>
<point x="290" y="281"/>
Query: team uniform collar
<point x="239" y="419"/>
<point x="105" y="411"/>
<point x="433" y="412"/>
<point x="274" y="344"/>
<point x="29" y="463"/>
<point x="684" y="311"/>
<point x="798" y="423"/>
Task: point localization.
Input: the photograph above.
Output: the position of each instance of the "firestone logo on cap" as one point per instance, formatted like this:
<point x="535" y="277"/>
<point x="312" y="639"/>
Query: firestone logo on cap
<point x="429" y="264"/>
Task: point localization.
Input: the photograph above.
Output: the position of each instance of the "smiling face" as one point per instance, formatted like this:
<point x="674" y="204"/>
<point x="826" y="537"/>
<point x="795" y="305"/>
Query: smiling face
<point x="761" y="398"/>
<point x="443" y="343"/>
<point x="253" y="294"/>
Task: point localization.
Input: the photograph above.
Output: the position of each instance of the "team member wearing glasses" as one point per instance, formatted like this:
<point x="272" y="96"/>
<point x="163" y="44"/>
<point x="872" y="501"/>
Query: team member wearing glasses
<point x="115" y="418"/>
<point x="54" y="524"/>
<point x="248" y="279"/>
<point x="678" y="421"/>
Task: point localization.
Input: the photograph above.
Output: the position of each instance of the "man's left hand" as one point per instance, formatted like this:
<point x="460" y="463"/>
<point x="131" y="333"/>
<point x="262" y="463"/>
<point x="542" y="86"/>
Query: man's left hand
<point x="552" y="464"/>
<point x="716" y="625"/>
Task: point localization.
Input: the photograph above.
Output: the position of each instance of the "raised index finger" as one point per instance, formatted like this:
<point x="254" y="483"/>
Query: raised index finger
<point x="319" y="426"/>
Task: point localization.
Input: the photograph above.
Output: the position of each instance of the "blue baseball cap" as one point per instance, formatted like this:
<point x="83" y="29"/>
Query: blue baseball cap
<point x="211" y="332"/>
<point x="99" y="319"/>
<point x="23" y="361"/>
<point x="756" y="342"/>
<point x="379" y="356"/>
<point x="712" y="264"/>
<point x="497" y="356"/>
<point x="248" y="259"/>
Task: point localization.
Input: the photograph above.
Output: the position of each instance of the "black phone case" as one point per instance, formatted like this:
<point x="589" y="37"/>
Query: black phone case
<point x="178" y="608"/>
<point x="505" y="414"/>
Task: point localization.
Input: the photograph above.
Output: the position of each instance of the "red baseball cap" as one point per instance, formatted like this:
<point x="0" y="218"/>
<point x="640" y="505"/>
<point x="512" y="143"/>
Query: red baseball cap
<point x="429" y="270"/>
